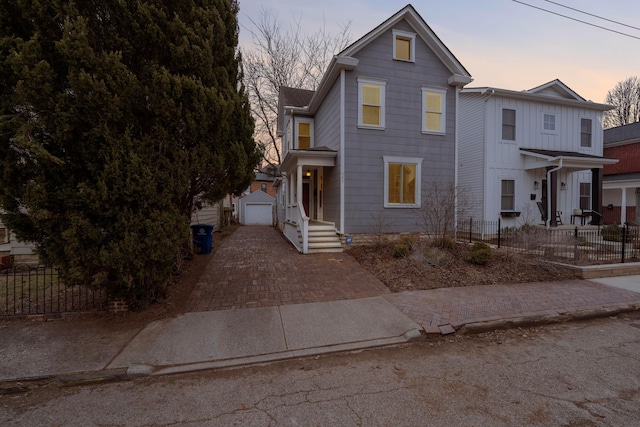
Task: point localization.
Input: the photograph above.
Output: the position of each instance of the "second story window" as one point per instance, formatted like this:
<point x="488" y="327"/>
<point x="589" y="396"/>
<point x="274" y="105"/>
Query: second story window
<point x="508" y="124"/>
<point x="371" y="103"/>
<point x="585" y="132"/>
<point x="549" y="122"/>
<point x="433" y="110"/>
<point x="404" y="46"/>
<point x="304" y="133"/>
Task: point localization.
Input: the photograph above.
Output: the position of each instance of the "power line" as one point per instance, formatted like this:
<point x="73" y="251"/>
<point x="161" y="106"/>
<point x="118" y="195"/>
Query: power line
<point x="577" y="20"/>
<point x="591" y="14"/>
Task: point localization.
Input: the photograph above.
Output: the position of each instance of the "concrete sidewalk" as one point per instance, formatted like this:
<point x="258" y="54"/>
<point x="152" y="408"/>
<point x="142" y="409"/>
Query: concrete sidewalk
<point x="90" y="350"/>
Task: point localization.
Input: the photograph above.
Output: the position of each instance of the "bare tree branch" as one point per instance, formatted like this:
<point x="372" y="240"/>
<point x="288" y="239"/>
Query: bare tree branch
<point x="280" y="58"/>
<point x="625" y="96"/>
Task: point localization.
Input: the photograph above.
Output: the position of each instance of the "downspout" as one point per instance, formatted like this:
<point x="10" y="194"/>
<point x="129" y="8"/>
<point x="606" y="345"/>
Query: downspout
<point x="549" y="172"/>
<point x="342" y="140"/>
<point x="456" y="150"/>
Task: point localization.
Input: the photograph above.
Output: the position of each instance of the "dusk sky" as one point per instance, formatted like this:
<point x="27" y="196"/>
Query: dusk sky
<point x="502" y="43"/>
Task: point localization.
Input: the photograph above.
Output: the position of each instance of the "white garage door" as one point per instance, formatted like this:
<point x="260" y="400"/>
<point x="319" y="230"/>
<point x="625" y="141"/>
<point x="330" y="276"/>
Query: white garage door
<point x="258" y="214"/>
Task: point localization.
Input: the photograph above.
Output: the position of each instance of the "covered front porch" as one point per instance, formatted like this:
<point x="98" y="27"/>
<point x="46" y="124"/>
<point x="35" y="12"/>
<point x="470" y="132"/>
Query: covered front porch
<point x="304" y="223"/>
<point x="567" y="185"/>
<point x="621" y="198"/>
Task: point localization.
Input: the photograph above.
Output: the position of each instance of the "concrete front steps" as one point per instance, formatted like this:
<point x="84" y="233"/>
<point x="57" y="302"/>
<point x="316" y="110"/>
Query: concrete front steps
<point x="323" y="238"/>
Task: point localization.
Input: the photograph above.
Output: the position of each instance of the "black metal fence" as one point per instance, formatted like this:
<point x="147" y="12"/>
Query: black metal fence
<point x="579" y="246"/>
<point x="37" y="290"/>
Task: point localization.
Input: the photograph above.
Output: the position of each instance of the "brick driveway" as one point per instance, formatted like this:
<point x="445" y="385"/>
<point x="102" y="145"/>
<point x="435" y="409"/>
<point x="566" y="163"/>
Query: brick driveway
<point x="257" y="267"/>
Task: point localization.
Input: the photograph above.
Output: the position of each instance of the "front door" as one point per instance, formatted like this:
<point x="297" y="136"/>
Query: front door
<point x="305" y="197"/>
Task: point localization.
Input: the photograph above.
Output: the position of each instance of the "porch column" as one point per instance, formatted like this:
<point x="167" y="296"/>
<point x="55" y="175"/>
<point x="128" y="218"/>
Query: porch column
<point x="299" y="184"/>
<point x="623" y="206"/>
<point x="553" y="197"/>
<point x="596" y="194"/>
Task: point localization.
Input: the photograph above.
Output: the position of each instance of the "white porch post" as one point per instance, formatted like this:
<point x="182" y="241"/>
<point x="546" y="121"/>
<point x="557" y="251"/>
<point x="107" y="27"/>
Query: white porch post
<point x="299" y="184"/>
<point x="623" y="206"/>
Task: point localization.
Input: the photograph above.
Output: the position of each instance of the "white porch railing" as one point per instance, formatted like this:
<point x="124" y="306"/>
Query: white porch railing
<point x="297" y="227"/>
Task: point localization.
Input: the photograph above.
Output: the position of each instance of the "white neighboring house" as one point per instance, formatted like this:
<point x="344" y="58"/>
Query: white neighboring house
<point x="257" y="208"/>
<point x="524" y="155"/>
<point x="20" y="252"/>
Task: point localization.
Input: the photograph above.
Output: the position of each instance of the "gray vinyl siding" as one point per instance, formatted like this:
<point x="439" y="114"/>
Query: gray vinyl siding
<point x="402" y="137"/>
<point x="327" y="134"/>
<point x="471" y="155"/>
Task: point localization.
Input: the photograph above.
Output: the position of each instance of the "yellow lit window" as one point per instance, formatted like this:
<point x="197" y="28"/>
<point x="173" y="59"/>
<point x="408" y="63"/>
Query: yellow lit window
<point x="433" y="112"/>
<point x="402" y="184"/>
<point x="304" y="135"/>
<point x="403" y="48"/>
<point x="371" y="104"/>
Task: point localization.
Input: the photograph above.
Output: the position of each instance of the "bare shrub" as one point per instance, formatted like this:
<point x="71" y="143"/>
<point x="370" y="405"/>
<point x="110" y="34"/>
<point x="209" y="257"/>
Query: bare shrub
<point x="441" y="203"/>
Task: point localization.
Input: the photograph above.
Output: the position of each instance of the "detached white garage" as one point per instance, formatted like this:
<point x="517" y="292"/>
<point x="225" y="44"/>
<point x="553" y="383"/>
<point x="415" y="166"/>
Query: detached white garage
<point x="257" y="209"/>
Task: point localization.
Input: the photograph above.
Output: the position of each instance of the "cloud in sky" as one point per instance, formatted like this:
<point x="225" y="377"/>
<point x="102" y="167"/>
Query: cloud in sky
<point x="501" y="43"/>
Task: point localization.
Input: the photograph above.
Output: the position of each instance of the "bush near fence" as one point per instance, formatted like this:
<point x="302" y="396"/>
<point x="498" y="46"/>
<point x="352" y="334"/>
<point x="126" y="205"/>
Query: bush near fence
<point x="38" y="290"/>
<point x="610" y="244"/>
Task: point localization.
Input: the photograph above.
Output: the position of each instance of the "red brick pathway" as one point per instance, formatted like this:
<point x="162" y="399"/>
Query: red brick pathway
<point x="257" y="267"/>
<point x="442" y="308"/>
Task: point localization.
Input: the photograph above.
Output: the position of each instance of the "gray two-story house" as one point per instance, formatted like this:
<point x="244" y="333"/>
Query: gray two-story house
<point x="381" y="126"/>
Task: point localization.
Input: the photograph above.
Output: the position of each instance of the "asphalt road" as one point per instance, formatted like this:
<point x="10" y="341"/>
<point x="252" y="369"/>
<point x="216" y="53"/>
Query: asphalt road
<point x="575" y="374"/>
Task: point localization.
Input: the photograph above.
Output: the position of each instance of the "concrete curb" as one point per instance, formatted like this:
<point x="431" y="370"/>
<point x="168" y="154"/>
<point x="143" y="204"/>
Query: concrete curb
<point x="544" y="319"/>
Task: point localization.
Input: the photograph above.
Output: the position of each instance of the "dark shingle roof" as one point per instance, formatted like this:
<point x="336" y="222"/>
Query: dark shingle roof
<point x="622" y="133"/>
<point x="292" y="97"/>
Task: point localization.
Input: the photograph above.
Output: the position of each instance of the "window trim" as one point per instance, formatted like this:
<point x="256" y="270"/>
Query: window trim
<point x="583" y="133"/>
<point x="443" y="114"/>
<point x="586" y="196"/>
<point x="515" y="125"/>
<point x="417" y="161"/>
<point x="544" y="122"/>
<point x="296" y="122"/>
<point x="412" y="45"/>
<point x="513" y="196"/>
<point x="382" y="84"/>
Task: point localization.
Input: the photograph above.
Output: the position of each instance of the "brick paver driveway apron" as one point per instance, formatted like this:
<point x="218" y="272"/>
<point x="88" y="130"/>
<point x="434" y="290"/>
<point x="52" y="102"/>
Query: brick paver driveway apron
<point x="257" y="267"/>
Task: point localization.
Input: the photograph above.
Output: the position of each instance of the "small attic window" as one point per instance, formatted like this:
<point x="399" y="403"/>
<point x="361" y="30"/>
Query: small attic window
<point x="404" y="46"/>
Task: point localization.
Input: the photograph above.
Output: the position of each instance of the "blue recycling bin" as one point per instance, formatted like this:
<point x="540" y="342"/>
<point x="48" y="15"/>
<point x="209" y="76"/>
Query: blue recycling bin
<point x="202" y="238"/>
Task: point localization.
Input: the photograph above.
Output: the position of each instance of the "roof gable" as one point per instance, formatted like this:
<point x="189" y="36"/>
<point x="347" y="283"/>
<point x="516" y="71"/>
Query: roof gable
<point x="556" y="88"/>
<point x="291" y="97"/>
<point x="413" y="18"/>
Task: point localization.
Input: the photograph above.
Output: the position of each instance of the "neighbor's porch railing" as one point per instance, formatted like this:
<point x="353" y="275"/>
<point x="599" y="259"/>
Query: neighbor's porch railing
<point x="607" y="244"/>
<point x="39" y="290"/>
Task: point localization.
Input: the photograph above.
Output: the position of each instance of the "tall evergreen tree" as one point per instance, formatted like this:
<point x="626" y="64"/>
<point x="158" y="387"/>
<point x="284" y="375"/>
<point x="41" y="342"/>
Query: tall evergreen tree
<point x="115" y="118"/>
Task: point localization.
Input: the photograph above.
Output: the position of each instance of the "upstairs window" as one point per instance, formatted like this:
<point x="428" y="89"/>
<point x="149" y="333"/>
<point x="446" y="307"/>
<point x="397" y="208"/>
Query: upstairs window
<point x="508" y="124"/>
<point x="402" y="182"/>
<point x="508" y="195"/>
<point x="585" y="132"/>
<point x="371" y="105"/>
<point x="433" y="110"/>
<point x="549" y="122"/>
<point x="304" y="133"/>
<point x="404" y="46"/>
